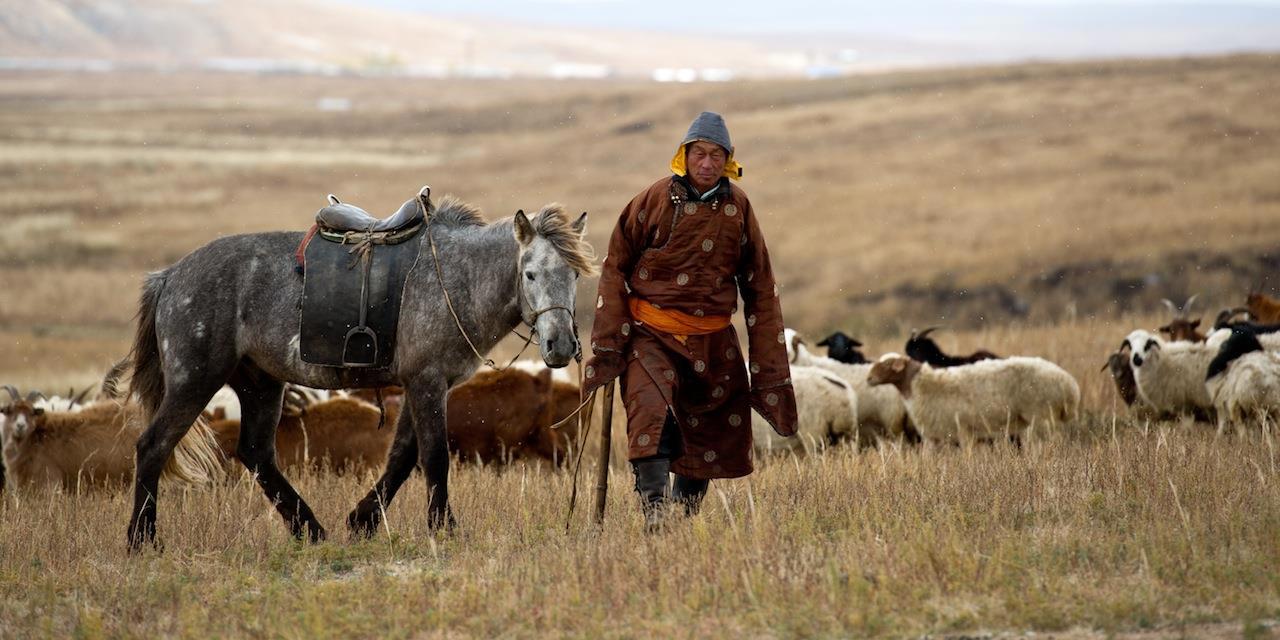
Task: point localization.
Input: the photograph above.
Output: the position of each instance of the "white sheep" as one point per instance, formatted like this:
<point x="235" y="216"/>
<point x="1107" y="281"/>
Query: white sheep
<point x="827" y="410"/>
<point x="1243" y="381"/>
<point x="983" y="400"/>
<point x="1170" y="375"/>
<point x="881" y="412"/>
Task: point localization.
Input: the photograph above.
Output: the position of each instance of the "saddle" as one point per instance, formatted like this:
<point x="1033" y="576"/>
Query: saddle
<point x="354" y="268"/>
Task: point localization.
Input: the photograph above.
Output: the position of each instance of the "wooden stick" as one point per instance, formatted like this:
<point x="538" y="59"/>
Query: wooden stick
<point x="606" y="434"/>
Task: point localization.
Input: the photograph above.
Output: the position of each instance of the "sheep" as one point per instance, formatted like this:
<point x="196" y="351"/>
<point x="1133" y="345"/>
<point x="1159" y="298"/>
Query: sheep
<point x="842" y="348"/>
<point x="981" y="401"/>
<point x="881" y="412"/>
<point x="94" y="446"/>
<point x="1243" y="380"/>
<point x="921" y="347"/>
<point x="828" y="413"/>
<point x="1182" y="328"/>
<point x="1170" y="375"/>
<point x="1263" y="307"/>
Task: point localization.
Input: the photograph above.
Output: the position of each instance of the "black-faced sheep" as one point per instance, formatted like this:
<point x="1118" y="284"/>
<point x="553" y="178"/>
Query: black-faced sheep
<point x="842" y="348"/>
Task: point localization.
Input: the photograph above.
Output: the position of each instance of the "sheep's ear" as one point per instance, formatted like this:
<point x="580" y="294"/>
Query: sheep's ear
<point x="1195" y="323"/>
<point x="826" y="342"/>
<point x="1152" y="344"/>
<point x="580" y="225"/>
<point x="523" y="229"/>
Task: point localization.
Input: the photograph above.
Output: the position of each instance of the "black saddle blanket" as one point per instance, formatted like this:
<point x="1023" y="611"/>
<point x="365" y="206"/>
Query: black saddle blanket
<point x="331" y="301"/>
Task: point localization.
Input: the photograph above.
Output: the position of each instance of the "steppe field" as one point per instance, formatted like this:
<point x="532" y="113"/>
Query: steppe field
<point x="1038" y="209"/>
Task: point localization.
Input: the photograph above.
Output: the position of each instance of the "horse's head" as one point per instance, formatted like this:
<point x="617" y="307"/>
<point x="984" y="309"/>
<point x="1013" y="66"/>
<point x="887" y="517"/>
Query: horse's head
<point x="553" y="254"/>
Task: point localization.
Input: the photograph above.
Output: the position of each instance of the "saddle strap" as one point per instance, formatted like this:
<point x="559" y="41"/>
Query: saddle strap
<point x="300" y="256"/>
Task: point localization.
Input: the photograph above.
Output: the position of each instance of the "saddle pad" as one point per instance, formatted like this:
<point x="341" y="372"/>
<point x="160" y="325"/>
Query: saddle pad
<point x="331" y="299"/>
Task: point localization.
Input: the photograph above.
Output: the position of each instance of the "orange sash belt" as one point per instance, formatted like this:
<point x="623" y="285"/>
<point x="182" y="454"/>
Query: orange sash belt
<point x="677" y="323"/>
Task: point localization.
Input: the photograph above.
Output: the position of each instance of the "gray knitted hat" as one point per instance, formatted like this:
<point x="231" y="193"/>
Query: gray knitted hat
<point x="709" y="127"/>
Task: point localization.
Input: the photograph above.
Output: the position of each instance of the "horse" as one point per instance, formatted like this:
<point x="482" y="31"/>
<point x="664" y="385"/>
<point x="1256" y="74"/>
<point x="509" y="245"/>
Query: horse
<point x="227" y="313"/>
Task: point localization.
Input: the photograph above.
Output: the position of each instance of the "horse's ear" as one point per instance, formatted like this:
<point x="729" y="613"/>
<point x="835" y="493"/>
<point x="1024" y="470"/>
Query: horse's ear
<point x="580" y="225"/>
<point x="523" y="229"/>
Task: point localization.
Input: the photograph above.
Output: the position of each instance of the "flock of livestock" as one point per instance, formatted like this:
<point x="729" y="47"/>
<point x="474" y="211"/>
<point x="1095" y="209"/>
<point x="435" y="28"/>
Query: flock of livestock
<point x="1229" y="375"/>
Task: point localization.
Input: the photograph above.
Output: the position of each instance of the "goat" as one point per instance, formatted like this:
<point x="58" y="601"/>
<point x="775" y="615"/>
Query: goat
<point x="1263" y="307"/>
<point x="338" y="434"/>
<point x="1182" y="328"/>
<point x="94" y="446"/>
<point x="922" y="348"/>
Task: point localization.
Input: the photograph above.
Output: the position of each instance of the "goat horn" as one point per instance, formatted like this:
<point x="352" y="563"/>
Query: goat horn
<point x="1172" y="307"/>
<point x="1186" y="308"/>
<point x="12" y="391"/>
<point x="80" y="398"/>
<point x="927" y="331"/>
<point x="35" y="395"/>
<point x="1106" y="365"/>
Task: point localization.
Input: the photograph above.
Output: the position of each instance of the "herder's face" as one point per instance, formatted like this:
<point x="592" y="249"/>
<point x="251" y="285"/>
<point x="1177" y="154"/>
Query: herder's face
<point x="704" y="163"/>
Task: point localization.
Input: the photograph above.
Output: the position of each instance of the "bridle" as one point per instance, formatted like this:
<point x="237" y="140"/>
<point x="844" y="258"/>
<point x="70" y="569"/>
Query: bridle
<point x="529" y="322"/>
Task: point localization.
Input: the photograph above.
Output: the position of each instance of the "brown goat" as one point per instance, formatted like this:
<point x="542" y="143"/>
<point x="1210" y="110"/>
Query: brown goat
<point x="506" y="415"/>
<point x="495" y="416"/>
<point x="336" y="435"/>
<point x="91" y="447"/>
<point x="1263" y="308"/>
<point x="1182" y="327"/>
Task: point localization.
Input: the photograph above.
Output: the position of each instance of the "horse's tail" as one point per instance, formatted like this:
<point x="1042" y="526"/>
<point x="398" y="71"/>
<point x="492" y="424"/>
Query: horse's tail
<point x="197" y="460"/>
<point x="147" y="382"/>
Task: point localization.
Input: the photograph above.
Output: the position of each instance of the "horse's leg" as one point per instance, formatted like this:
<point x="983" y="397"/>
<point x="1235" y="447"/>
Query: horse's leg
<point x="260" y="398"/>
<point x="403" y="457"/>
<point x="427" y="396"/>
<point x="178" y="410"/>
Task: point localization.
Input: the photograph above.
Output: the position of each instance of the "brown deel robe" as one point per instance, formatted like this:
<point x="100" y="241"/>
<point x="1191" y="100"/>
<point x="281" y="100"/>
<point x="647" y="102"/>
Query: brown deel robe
<point x="693" y="256"/>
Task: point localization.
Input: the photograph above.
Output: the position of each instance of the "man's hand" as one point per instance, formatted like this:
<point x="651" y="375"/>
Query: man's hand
<point x="603" y="367"/>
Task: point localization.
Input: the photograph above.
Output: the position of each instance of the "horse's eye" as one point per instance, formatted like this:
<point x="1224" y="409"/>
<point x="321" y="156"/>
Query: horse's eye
<point x="529" y="275"/>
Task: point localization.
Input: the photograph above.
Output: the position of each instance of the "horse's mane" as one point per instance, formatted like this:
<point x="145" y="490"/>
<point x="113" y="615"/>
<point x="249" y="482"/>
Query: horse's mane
<point x="551" y="223"/>
<point x="454" y="212"/>
<point x="554" y="224"/>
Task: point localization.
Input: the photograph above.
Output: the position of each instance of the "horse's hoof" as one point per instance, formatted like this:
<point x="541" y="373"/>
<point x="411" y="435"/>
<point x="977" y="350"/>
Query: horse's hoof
<point x="363" y="524"/>
<point x="317" y="534"/>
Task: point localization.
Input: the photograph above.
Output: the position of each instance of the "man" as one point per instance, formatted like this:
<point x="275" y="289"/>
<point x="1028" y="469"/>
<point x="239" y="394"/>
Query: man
<point x="662" y="325"/>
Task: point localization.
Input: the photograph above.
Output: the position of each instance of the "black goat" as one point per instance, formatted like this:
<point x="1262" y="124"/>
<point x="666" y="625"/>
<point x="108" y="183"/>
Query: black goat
<point x="1242" y="341"/>
<point x="920" y="347"/>
<point x="843" y="348"/>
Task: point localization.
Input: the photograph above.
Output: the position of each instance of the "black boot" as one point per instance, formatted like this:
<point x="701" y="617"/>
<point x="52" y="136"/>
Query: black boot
<point x="689" y="492"/>
<point x="653" y="484"/>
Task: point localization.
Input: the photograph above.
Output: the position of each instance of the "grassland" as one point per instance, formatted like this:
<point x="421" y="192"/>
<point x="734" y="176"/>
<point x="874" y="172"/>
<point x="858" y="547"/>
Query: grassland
<point x="1039" y="209"/>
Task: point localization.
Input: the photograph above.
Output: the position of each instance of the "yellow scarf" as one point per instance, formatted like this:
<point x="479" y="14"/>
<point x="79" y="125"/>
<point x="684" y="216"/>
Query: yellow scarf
<point x="732" y="169"/>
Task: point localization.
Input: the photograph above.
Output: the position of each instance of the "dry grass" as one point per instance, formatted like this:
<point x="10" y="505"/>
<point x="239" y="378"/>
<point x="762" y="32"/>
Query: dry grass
<point x="1113" y="529"/>
<point x="1084" y="192"/>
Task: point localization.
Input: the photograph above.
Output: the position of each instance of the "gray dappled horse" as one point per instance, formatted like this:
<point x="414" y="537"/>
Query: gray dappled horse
<point x="227" y="313"/>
